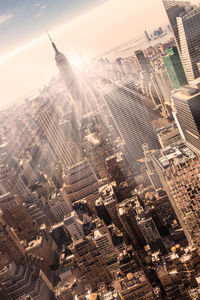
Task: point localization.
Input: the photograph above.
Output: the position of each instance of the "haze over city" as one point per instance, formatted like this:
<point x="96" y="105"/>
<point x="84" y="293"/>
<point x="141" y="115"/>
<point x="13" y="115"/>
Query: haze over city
<point x="100" y="150"/>
<point x="78" y="27"/>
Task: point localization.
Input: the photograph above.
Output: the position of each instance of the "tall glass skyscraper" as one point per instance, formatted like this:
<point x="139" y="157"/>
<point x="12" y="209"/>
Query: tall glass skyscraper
<point x="174" y="68"/>
<point x="131" y="117"/>
<point x="185" y="21"/>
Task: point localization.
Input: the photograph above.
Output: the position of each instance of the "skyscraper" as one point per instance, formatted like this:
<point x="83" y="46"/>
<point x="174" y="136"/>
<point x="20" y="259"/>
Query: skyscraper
<point x="66" y="72"/>
<point x="187" y="112"/>
<point x="185" y="22"/>
<point x="66" y="151"/>
<point x="178" y="168"/>
<point x="69" y="78"/>
<point x="12" y="182"/>
<point x="142" y="61"/>
<point x="174" y="68"/>
<point x="131" y="117"/>
<point x="10" y="247"/>
<point x="127" y="217"/>
<point x="16" y="215"/>
<point x="173" y="9"/>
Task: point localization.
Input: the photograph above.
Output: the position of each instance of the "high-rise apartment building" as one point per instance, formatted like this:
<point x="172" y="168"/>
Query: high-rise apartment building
<point x="185" y="22"/>
<point x="65" y="150"/>
<point x="131" y="117"/>
<point x="187" y="112"/>
<point x="174" y="68"/>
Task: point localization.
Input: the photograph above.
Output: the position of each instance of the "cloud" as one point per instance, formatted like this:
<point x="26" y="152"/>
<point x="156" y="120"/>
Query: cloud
<point x="43" y="6"/>
<point x="5" y="18"/>
<point x="37" y="4"/>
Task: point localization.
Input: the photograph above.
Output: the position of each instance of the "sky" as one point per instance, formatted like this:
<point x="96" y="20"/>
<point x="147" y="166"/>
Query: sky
<point x="87" y="27"/>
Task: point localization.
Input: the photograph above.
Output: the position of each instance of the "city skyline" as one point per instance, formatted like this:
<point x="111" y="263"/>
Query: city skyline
<point x="31" y="56"/>
<point x="100" y="163"/>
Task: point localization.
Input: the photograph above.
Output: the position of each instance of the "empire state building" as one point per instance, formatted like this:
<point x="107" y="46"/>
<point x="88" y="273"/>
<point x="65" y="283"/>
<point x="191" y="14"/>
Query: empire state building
<point x="69" y="78"/>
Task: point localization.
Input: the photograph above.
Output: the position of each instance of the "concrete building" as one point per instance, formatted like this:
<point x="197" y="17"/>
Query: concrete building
<point x="172" y="284"/>
<point x="10" y="246"/>
<point x="110" y="203"/>
<point x="74" y="226"/>
<point x="12" y="182"/>
<point x="45" y="248"/>
<point x="162" y="87"/>
<point x="38" y="211"/>
<point x="98" y="148"/>
<point x="185" y="22"/>
<point x="15" y="214"/>
<point x="131" y="229"/>
<point x="64" y="293"/>
<point x="163" y="208"/>
<point x="91" y="263"/>
<point x="80" y="182"/>
<point x="187" y="112"/>
<point x="28" y="173"/>
<point x="119" y="170"/>
<point x="136" y="286"/>
<point x="66" y="151"/>
<point x="103" y="242"/>
<point x="151" y="234"/>
<point x="151" y="171"/>
<point x="187" y="263"/>
<point x="178" y="169"/>
<point x="168" y="136"/>
<point x="26" y="280"/>
<point x="102" y="212"/>
<point x="142" y="61"/>
<point x="59" y="205"/>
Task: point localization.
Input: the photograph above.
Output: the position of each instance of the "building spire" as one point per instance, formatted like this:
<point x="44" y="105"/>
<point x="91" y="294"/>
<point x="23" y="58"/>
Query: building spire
<point x="53" y="44"/>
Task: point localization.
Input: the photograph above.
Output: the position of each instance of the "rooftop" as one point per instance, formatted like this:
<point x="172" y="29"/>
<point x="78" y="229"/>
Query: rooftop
<point x="173" y="155"/>
<point x="188" y="91"/>
<point x="34" y="243"/>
